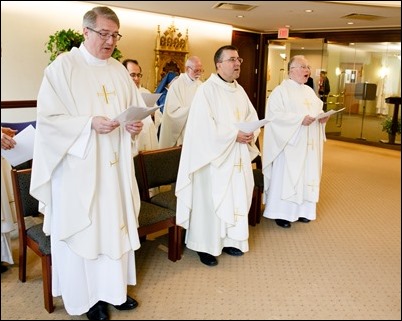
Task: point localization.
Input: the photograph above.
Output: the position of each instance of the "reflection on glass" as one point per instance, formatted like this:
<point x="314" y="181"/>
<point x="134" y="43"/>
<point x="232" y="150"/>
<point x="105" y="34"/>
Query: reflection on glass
<point x="348" y="66"/>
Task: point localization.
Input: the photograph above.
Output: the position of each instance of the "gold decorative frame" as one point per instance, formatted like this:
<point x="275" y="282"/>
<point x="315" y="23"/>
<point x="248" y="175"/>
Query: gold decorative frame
<point x="171" y="52"/>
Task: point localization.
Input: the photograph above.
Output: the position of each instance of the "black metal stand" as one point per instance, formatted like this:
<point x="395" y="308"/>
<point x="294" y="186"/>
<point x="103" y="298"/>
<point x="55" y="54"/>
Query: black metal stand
<point x="361" y="129"/>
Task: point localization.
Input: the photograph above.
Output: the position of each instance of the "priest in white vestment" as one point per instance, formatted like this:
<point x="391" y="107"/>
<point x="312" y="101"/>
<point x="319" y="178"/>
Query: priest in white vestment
<point x="83" y="174"/>
<point x="148" y="138"/>
<point x="215" y="180"/>
<point x="293" y="148"/>
<point x="178" y="102"/>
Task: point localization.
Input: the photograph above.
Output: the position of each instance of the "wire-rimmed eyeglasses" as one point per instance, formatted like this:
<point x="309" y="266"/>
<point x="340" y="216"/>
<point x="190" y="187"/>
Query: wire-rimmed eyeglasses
<point x="197" y="71"/>
<point x="133" y="75"/>
<point x="234" y="59"/>
<point x="304" y="67"/>
<point x="105" y="36"/>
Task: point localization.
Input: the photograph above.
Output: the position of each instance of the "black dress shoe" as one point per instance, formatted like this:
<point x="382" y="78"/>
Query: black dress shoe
<point x="128" y="305"/>
<point x="4" y="268"/>
<point x="232" y="251"/>
<point x="283" y="223"/>
<point x="98" y="312"/>
<point x="207" y="259"/>
<point x="303" y="220"/>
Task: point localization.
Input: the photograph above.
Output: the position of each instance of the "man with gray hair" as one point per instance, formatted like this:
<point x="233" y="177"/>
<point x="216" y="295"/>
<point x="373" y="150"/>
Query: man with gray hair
<point x="83" y="172"/>
<point x="178" y="102"/>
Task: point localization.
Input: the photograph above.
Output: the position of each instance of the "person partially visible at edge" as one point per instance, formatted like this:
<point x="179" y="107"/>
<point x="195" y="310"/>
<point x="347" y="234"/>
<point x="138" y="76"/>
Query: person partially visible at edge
<point x="7" y="199"/>
<point x="178" y="102"/>
<point x="310" y="80"/>
<point x="324" y="88"/>
<point x="162" y="89"/>
<point x="147" y="139"/>
<point x="215" y="180"/>
<point x="83" y="173"/>
<point x="293" y="148"/>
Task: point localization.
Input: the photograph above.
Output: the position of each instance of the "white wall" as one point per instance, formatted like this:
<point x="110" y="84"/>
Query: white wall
<point x="26" y="27"/>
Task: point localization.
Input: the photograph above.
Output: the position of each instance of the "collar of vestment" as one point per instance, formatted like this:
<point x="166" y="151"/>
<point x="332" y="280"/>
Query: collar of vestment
<point x="92" y="60"/>
<point x="231" y="84"/>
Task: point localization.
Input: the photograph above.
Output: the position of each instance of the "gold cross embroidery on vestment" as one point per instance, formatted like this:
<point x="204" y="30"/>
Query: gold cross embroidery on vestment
<point x="115" y="161"/>
<point x="105" y="94"/>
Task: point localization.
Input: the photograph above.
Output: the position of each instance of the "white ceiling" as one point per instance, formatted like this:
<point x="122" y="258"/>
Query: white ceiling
<point x="268" y="16"/>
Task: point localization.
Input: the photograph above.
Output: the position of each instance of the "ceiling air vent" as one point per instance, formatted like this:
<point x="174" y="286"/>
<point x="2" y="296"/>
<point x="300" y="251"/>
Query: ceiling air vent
<point x="359" y="16"/>
<point x="233" y="6"/>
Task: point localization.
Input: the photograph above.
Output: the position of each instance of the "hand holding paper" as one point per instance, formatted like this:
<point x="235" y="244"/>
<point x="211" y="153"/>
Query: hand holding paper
<point x="328" y="113"/>
<point x="249" y="127"/>
<point x="23" y="151"/>
<point x="135" y="113"/>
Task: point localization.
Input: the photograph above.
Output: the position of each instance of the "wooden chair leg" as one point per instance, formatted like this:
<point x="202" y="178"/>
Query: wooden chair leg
<point x="47" y="282"/>
<point x="23" y="263"/>
<point x="252" y="217"/>
<point x="259" y="207"/>
<point x="179" y="237"/>
<point x="172" y="250"/>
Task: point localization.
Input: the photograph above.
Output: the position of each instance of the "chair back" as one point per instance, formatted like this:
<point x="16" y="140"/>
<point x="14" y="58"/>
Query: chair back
<point x="159" y="167"/>
<point x="32" y="237"/>
<point x="25" y="204"/>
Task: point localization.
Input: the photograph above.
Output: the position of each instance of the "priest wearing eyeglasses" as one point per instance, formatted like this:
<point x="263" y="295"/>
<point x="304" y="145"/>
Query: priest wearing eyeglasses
<point x="83" y="172"/>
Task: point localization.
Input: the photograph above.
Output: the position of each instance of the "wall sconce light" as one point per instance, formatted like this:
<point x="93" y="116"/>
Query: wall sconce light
<point x="283" y="56"/>
<point x="383" y="72"/>
<point x="338" y="71"/>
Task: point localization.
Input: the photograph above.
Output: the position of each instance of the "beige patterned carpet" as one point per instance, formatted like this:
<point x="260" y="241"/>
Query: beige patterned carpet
<point x="346" y="265"/>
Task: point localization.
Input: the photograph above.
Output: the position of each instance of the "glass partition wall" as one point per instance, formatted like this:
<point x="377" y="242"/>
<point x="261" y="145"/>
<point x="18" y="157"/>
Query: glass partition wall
<point x="361" y="77"/>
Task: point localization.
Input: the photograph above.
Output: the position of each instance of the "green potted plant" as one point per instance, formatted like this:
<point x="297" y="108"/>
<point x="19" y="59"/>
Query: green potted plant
<point x="63" y="40"/>
<point x="387" y="127"/>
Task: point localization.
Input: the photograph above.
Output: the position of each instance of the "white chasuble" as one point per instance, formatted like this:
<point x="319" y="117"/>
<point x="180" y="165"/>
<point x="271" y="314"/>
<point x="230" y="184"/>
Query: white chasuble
<point x="292" y="153"/>
<point x="177" y="106"/>
<point x="215" y="180"/>
<point x="85" y="181"/>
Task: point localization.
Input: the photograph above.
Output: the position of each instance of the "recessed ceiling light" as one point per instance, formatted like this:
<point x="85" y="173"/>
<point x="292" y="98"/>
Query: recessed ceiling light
<point x="308" y="10"/>
<point x="240" y="16"/>
<point x="351" y="23"/>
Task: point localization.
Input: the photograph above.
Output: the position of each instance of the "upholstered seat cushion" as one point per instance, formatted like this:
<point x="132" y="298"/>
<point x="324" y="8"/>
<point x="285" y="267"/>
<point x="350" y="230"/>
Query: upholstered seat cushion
<point x="36" y="233"/>
<point x="150" y="214"/>
<point x="165" y="199"/>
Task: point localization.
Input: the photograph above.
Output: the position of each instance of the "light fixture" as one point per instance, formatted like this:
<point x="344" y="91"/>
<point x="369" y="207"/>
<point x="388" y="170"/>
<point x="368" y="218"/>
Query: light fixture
<point x="283" y="56"/>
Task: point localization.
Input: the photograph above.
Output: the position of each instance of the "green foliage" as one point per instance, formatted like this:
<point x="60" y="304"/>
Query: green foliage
<point x="387" y="126"/>
<point x="64" y="40"/>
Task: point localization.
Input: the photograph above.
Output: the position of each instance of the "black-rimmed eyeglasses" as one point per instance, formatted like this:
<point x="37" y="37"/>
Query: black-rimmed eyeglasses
<point x="105" y="36"/>
<point x="233" y="59"/>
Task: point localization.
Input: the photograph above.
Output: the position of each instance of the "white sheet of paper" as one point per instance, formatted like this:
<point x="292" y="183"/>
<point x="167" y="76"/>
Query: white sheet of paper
<point x="250" y="126"/>
<point x="135" y="113"/>
<point x="328" y="113"/>
<point x="150" y="98"/>
<point x="23" y="151"/>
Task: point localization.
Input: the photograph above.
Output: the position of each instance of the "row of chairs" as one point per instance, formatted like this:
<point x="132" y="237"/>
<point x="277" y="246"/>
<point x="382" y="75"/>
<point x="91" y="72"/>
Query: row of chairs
<point x="154" y="169"/>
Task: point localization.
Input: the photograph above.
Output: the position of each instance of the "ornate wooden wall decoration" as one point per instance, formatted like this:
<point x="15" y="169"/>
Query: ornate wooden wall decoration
<point x="171" y="52"/>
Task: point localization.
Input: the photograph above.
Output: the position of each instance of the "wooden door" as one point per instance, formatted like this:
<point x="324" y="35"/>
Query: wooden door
<point x="249" y="46"/>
